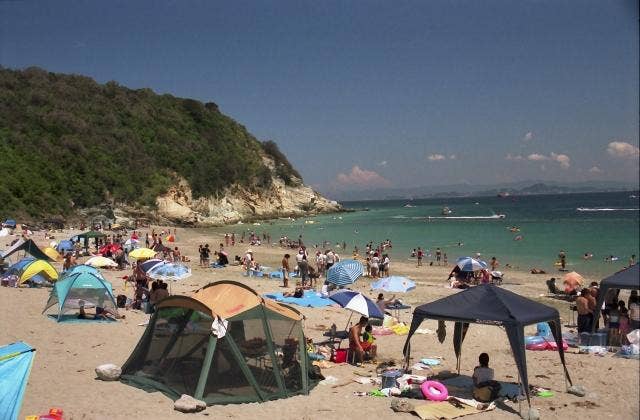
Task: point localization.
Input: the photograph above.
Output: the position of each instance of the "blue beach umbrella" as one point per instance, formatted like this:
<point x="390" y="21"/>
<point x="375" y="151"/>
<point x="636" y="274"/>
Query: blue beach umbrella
<point x="10" y="223"/>
<point x="470" y="264"/>
<point x="64" y="246"/>
<point x="395" y="284"/>
<point x="357" y="302"/>
<point x="149" y="264"/>
<point x="169" y="271"/>
<point x="344" y="272"/>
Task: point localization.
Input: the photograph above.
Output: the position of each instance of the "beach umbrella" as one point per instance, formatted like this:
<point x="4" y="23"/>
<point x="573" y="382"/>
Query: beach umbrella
<point x="169" y="271"/>
<point x="470" y="264"/>
<point x="100" y="261"/>
<point x="171" y="238"/>
<point x="52" y="253"/>
<point x="571" y="281"/>
<point x="149" y="264"/>
<point x="344" y="272"/>
<point x="131" y="243"/>
<point x="395" y="284"/>
<point x="357" y="302"/>
<point x="10" y="223"/>
<point x="142" y="253"/>
<point x="65" y="246"/>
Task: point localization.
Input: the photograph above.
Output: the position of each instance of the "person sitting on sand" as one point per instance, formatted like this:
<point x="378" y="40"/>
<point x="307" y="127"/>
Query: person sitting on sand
<point x="485" y="388"/>
<point x="537" y="271"/>
<point x="382" y="303"/>
<point x="297" y="293"/>
<point x="355" y="345"/>
<point x="101" y="311"/>
<point x="368" y="341"/>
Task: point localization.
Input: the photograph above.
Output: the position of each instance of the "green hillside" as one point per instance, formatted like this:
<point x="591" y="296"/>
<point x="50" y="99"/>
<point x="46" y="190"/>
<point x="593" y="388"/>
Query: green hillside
<point x="67" y="142"/>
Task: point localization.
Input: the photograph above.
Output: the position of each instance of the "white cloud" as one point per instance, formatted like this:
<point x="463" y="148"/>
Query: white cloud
<point x="436" y="157"/>
<point x="537" y="157"/>
<point x="361" y="178"/>
<point x="513" y="157"/>
<point x="452" y="157"/>
<point x="562" y="159"/>
<point x="624" y="150"/>
<point x="383" y="163"/>
<point x="595" y="170"/>
<point x="528" y="136"/>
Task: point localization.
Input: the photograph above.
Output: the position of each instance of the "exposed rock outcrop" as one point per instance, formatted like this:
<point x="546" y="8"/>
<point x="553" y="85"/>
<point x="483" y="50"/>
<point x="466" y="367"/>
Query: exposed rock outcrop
<point x="241" y="204"/>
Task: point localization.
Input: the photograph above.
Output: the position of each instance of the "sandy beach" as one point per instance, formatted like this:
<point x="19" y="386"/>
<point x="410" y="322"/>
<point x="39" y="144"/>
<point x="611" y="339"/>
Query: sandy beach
<point x="63" y="371"/>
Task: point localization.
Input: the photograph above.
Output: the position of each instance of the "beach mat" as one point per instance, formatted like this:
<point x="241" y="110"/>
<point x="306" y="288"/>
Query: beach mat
<point x="73" y="319"/>
<point x="445" y="410"/>
<point x="310" y="299"/>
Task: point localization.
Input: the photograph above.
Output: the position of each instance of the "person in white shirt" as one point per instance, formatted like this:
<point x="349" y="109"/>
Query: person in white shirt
<point x="485" y="388"/>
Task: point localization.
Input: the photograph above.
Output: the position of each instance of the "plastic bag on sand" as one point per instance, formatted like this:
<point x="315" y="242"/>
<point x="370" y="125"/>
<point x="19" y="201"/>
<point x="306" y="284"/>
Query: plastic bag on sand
<point x="329" y="380"/>
<point x="634" y="337"/>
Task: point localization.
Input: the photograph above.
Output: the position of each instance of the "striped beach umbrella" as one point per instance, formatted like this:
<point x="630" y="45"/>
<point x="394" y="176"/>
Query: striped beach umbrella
<point x="344" y="272"/>
<point x="395" y="284"/>
<point x="149" y="264"/>
<point x="470" y="264"/>
<point x="357" y="302"/>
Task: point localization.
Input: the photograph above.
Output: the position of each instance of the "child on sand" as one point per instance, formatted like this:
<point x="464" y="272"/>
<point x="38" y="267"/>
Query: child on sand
<point x="485" y="388"/>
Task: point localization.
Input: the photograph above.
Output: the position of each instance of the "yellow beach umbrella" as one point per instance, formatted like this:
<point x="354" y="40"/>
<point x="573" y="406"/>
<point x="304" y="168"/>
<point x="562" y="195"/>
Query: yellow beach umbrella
<point x="100" y="261"/>
<point x="141" y="253"/>
<point x="39" y="267"/>
<point x="52" y="253"/>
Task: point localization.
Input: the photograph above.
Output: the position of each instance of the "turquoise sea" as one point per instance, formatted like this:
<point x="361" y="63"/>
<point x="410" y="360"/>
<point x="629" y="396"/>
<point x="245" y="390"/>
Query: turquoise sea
<point x="602" y="224"/>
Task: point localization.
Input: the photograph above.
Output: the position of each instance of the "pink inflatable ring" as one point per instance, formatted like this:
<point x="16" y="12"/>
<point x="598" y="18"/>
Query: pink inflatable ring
<point x="434" y="391"/>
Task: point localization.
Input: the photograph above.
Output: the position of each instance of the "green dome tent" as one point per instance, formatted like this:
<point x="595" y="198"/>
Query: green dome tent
<point x="80" y="286"/>
<point x="226" y="344"/>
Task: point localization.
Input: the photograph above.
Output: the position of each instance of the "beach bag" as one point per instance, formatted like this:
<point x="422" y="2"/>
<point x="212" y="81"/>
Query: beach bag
<point x="483" y="394"/>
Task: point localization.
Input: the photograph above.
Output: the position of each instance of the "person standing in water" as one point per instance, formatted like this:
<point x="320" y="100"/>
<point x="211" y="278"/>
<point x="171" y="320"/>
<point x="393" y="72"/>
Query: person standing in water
<point x="563" y="259"/>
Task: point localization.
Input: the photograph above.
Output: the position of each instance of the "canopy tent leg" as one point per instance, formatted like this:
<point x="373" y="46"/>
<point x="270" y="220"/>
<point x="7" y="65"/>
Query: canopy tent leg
<point x="272" y="353"/>
<point x="175" y="336"/>
<point x="206" y="365"/>
<point x="242" y="364"/>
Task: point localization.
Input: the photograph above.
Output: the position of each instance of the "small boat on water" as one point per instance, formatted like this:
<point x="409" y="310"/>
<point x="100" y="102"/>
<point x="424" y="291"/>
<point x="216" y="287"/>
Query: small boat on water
<point x="446" y="211"/>
<point x="408" y="205"/>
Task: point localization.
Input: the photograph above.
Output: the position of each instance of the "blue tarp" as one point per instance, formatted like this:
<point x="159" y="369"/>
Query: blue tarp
<point x="15" y="365"/>
<point x="310" y="299"/>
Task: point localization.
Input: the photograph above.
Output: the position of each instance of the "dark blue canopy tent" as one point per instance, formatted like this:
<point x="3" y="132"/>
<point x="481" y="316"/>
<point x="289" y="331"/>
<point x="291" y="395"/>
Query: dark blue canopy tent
<point x="490" y="305"/>
<point x="629" y="279"/>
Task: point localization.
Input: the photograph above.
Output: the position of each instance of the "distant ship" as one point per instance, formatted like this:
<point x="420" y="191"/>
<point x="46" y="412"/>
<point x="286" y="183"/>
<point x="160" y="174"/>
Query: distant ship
<point x="408" y="205"/>
<point x="446" y="211"/>
<point x="503" y="194"/>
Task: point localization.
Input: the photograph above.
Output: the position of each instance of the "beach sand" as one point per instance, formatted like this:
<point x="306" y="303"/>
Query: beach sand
<point x="63" y="371"/>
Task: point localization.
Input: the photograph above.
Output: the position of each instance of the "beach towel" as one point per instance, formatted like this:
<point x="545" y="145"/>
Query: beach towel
<point x="275" y="275"/>
<point x="73" y="319"/>
<point x="310" y="299"/>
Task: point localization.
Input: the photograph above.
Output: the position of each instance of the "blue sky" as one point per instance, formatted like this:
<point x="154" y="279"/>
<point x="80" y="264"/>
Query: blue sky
<point x="363" y="94"/>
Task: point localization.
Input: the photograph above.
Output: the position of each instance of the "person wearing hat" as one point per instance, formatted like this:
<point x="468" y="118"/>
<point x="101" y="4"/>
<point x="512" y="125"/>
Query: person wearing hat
<point x="248" y="259"/>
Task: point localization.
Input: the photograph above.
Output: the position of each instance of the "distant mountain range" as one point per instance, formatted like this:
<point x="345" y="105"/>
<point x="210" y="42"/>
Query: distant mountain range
<point x="531" y="187"/>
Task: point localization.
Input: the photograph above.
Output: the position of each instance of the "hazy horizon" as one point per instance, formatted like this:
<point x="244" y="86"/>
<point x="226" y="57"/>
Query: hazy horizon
<point x="363" y="95"/>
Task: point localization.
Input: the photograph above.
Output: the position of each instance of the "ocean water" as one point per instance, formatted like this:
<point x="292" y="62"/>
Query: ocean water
<point x="601" y="224"/>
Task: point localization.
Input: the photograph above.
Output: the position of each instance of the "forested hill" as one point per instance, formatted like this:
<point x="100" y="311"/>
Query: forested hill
<point x="68" y="142"/>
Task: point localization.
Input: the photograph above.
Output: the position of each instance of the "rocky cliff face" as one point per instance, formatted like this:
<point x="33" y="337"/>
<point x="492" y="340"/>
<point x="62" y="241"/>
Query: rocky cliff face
<point x="240" y="204"/>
